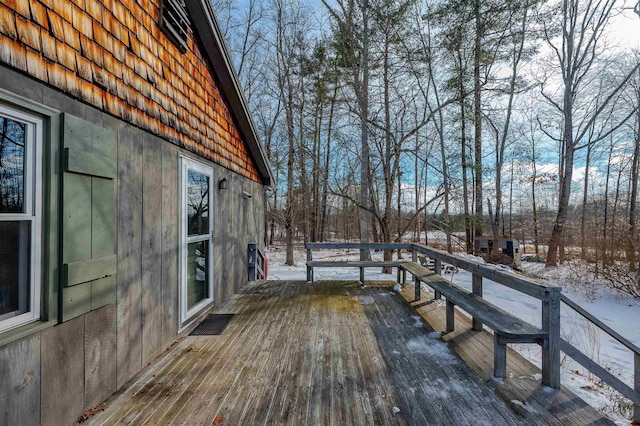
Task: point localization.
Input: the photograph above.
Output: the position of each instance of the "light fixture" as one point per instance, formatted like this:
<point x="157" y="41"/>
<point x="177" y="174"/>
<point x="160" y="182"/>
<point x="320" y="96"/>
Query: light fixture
<point x="222" y="184"/>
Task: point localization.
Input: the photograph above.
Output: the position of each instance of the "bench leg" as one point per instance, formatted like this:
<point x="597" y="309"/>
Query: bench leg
<point x="362" y="276"/>
<point x="416" y="282"/>
<point x="309" y="274"/>
<point x="499" y="358"/>
<point x="450" y="316"/>
<point x="404" y="276"/>
<point x="437" y="295"/>
<point x="398" y="273"/>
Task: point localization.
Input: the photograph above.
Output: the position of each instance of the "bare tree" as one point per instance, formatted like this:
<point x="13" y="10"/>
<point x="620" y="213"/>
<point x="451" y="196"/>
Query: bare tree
<point x="582" y="26"/>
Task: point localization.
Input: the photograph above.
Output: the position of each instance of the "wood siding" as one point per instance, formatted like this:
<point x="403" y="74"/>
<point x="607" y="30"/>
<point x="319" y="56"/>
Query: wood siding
<point x="113" y="55"/>
<point x="56" y="374"/>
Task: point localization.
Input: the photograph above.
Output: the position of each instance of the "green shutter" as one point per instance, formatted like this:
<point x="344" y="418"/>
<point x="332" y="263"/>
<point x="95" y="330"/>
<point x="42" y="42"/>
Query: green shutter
<point x="89" y="261"/>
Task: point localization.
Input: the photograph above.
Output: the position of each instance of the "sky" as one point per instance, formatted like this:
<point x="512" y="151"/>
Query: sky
<point x="626" y="26"/>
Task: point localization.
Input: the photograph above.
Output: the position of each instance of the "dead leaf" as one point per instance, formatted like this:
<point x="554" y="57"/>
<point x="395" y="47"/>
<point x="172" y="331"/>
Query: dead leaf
<point x="218" y="420"/>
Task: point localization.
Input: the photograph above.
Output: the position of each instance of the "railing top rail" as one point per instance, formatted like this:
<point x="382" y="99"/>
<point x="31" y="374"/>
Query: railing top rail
<point x="532" y="287"/>
<point x="604" y="327"/>
<point x="365" y="246"/>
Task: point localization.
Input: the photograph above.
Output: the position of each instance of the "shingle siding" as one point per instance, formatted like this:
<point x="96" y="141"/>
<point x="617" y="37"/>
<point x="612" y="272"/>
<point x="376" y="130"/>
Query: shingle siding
<point x="113" y="55"/>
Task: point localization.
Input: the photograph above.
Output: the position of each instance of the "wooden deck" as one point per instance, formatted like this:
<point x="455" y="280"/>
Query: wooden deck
<point x="336" y="354"/>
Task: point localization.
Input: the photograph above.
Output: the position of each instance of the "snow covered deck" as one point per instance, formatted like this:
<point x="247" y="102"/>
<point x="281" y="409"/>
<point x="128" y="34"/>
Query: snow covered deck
<point x="334" y="353"/>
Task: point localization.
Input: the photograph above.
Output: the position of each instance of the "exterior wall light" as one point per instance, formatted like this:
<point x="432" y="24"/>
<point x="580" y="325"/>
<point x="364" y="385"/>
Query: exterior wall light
<point x="222" y="184"/>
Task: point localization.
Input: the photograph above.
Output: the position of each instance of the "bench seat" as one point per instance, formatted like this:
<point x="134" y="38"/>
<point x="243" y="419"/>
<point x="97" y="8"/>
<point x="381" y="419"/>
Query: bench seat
<point x="507" y="328"/>
<point x="351" y="264"/>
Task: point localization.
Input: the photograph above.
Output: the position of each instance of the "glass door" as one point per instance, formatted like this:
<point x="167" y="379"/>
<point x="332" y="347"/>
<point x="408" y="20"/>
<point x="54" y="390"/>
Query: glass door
<point x="196" y="259"/>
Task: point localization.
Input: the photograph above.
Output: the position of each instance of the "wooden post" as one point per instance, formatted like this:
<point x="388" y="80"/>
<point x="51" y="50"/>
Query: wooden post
<point x="414" y="255"/>
<point x="477" y="290"/>
<point x="551" y="351"/>
<point x="362" y="276"/>
<point x="416" y="282"/>
<point x="499" y="358"/>
<point x="309" y="268"/>
<point x="438" y="266"/>
<point x="450" y="314"/>
<point x="636" y="386"/>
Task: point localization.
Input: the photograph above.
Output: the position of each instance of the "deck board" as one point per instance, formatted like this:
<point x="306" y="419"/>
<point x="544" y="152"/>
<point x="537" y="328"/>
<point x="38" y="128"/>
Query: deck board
<point x="331" y="354"/>
<point x="543" y="405"/>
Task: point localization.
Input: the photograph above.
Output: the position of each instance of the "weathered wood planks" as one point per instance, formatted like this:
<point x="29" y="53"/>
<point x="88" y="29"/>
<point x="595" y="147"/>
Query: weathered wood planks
<point x="541" y="405"/>
<point x="152" y="308"/>
<point x="129" y="280"/>
<point x="20" y="380"/>
<point x="62" y="364"/>
<point x="169" y="249"/>
<point x="329" y="354"/>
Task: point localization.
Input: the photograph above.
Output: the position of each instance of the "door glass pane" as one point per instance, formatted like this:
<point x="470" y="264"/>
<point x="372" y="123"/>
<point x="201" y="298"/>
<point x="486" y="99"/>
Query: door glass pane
<point x="197" y="203"/>
<point x="197" y="272"/>
<point x="15" y="255"/>
<point x="12" y="165"/>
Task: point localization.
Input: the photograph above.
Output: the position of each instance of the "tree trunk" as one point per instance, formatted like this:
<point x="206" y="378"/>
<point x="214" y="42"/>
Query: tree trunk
<point x="365" y="215"/>
<point x="477" y="119"/>
<point x="463" y="156"/>
<point x="583" y="215"/>
<point x="633" y="202"/>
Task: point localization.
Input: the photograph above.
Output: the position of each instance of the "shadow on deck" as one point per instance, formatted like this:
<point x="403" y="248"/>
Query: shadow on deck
<point x="337" y="354"/>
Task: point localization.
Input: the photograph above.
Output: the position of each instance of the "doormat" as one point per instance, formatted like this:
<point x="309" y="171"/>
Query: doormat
<point x="212" y="325"/>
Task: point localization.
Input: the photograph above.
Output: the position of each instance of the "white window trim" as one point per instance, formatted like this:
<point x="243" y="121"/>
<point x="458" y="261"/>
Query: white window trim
<point x="185" y="165"/>
<point x="33" y="212"/>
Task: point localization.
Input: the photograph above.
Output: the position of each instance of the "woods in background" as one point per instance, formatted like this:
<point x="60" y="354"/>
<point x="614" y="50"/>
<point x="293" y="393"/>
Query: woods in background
<point x="384" y="119"/>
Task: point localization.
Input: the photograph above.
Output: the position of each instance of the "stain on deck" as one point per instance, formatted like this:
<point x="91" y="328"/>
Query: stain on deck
<point x="329" y="354"/>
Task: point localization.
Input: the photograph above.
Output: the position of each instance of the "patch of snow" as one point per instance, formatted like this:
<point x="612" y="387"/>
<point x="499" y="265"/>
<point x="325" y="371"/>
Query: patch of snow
<point x="436" y="348"/>
<point x="524" y="406"/>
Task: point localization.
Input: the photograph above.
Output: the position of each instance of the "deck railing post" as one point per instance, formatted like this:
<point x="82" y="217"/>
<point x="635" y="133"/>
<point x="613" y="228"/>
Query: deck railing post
<point x="309" y="268"/>
<point x="551" y="351"/>
<point x="636" y="385"/>
<point x="438" y="266"/>
<point x="414" y="255"/>
<point x="476" y="284"/>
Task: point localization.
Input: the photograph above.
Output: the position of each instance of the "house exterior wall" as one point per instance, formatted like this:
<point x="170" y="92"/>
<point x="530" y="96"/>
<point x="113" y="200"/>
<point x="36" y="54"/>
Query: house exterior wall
<point x="52" y="376"/>
<point x="108" y="63"/>
<point x="112" y="54"/>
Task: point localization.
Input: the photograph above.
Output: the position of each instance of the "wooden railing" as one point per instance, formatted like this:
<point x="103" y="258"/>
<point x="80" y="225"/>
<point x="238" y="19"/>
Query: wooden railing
<point x="551" y="299"/>
<point x="632" y="393"/>
<point x="548" y="295"/>
<point x="255" y="262"/>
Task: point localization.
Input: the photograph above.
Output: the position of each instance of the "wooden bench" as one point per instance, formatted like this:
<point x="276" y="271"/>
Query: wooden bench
<point x="311" y="264"/>
<point x="506" y="327"/>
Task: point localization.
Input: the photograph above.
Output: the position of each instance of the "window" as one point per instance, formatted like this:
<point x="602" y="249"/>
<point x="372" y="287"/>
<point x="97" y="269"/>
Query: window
<point x="175" y="23"/>
<point x="20" y="217"/>
<point x="196" y="257"/>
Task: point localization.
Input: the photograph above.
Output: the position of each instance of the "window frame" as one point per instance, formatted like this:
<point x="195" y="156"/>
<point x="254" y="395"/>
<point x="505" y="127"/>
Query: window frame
<point x="186" y="314"/>
<point x="33" y="211"/>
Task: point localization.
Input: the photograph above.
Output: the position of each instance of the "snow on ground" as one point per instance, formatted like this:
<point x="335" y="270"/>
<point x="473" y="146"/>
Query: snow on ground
<point x="619" y="312"/>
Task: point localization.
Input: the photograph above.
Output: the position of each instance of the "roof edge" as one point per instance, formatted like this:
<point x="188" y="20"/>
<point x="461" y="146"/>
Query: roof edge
<point x="204" y="21"/>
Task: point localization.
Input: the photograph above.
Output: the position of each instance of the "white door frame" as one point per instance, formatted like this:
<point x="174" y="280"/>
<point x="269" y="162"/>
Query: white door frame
<point x="187" y="164"/>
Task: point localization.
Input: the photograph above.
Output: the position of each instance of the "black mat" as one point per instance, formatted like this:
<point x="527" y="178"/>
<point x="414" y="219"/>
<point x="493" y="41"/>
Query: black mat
<point x="212" y="325"/>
